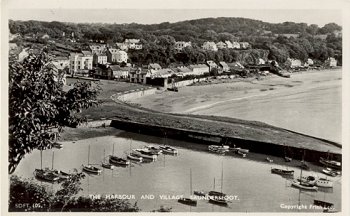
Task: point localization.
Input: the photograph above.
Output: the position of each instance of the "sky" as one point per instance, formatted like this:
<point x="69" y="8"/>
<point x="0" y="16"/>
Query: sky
<point x="151" y="16"/>
<point x="318" y="12"/>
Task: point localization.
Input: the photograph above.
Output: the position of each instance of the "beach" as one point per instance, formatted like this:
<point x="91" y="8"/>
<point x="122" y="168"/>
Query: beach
<point x="308" y="102"/>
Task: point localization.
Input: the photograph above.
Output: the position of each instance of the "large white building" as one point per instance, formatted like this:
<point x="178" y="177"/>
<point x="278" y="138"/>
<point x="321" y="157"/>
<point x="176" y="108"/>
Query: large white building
<point x="80" y="62"/>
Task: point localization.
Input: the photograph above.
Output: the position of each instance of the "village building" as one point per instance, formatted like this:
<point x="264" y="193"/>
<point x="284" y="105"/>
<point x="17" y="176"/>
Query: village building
<point x="293" y="63"/>
<point x="212" y="65"/>
<point x="181" y="71"/>
<point x="154" y="67"/>
<point x="138" y="75"/>
<point x="98" y="48"/>
<point x="119" y="72"/>
<point x="100" y="58"/>
<point x="331" y="62"/>
<point x="221" y="45"/>
<point x="288" y="35"/>
<point x="244" y="45"/>
<point x="122" y="46"/>
<point x="209" y="45"/>
<point x="130" y="44"/>
<point x="61" y="62"/>
<point x="116" y="56"/>
<point x="179" y="45"/>
<point x="321" y="36"/>
<point x="162" y="73"/>
<point x="261" y="61"/>
<point x="80" y="63"/>
<point x="229" y="45"/>
<point x="236" y="45"/>
<point x="235" y="66"/>
<point x="14" y="36"/>
<point x="198" y="69"/>
<point x="223" y="67"/>
<point x="22" y="54"/>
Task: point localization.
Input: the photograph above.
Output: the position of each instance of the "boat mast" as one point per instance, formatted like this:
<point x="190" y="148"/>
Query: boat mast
<point x="89" y="156"/>
<point x="214" y="184"/>
<point x="104" y="155"/>
<point x="113" y="150"/>
<point x="41" y="159"/>
<point x="53" y="156"/>
<point x="222" y="174"/>
<point x="190" y="182"/>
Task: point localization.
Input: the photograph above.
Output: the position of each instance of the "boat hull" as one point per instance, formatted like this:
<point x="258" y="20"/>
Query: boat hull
<point x="300" y="185"/>
<point x="91" y="169"/>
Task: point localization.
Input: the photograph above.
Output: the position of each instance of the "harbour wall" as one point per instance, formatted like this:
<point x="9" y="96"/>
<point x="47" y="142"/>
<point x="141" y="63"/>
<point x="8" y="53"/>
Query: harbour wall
<point x="274" y="149"/>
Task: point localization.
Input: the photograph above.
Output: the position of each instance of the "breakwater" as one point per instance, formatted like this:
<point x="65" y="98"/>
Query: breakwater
<point x="275" y="149"/>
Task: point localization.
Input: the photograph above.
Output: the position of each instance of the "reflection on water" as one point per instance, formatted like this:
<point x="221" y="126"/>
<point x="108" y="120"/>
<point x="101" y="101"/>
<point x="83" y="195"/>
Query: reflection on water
<point x="168" y="177"/>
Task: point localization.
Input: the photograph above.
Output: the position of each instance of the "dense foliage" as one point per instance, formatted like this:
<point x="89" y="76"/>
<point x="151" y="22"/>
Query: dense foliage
<point x="27" y="195"/>
<point x="158" y="39"/>
<point x="39" y="107"/>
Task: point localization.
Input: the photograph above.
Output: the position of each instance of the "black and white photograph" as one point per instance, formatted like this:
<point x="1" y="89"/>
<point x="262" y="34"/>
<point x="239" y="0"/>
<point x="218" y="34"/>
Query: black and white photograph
<point x="175" y="106"/>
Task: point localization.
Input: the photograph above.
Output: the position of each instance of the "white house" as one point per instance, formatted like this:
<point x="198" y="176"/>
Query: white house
<point x="331" y="62"/>
<point x="80" y="62"/>
<point x="138" y="75"/>
<point x="236" y="45"/>
<point x="116" y="56"/>
<point x="198" y="69"/>
<point x="221" y="45"/>
<point x="179" y="45"/>
<point x="229" y="44"/>
<point x="209" y="45"/>
<point x="293" y="63"/>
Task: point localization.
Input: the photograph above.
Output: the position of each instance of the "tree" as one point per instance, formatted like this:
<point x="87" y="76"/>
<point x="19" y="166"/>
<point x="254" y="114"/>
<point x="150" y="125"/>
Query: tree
<point x="35" y="197"/>
<point x="38" y="106"/>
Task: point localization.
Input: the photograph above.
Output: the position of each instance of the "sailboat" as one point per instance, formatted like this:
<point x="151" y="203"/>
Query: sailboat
<point x="188" y="201"/>
<point x="59" y="173"/>
<point x="45" y="175"/>
<point x="89" y="168"/>
<point x="299" y="183"/>
<point x="117" y="160"/>
<point x="104" y="163"/>
<point x="216" y="197"/>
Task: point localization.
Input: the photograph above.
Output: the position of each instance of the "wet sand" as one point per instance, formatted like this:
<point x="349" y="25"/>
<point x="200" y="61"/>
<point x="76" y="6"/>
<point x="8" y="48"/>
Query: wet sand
<point x="308" y="102"/>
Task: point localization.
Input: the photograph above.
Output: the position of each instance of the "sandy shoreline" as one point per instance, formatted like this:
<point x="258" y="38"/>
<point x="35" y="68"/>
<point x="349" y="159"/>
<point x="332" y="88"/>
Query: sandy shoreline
<point x="308" y="102"/>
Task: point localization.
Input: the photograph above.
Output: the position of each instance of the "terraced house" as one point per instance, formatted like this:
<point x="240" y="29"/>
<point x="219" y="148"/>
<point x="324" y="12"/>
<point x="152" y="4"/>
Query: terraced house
<point x="80" y="63"/>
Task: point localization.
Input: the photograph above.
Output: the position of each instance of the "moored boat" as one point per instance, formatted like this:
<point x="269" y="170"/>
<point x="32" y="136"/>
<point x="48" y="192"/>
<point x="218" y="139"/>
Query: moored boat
<point x="168" y="150"/>
<point x="269" y="160"/>
<point x="91" y="169"/>
<point x="218" y="149"/>
<point x="323" y="204"/>
<point x="107" y="165"/>
<point x="218" y="200"/>
<point x="187" y="201"/>
<point x="134" y="157"/>
<point x="241" y="153"/>
<point x="118" y="161"/>
<point x="45" y="175"/>
<point x="323" y="182"/>
<point x="154" y="149"/>
<point x="283" y="172"/>
<point x="331" y="172"/>
<point x="311" y="180"/>
<point x="330" y="163"/>
<point x="199" y="193"/>
<point x="304" y="186"/>
<point x="57" y="145"/>
<point x="62" y="175"/>
<point x="145" y="154"/>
